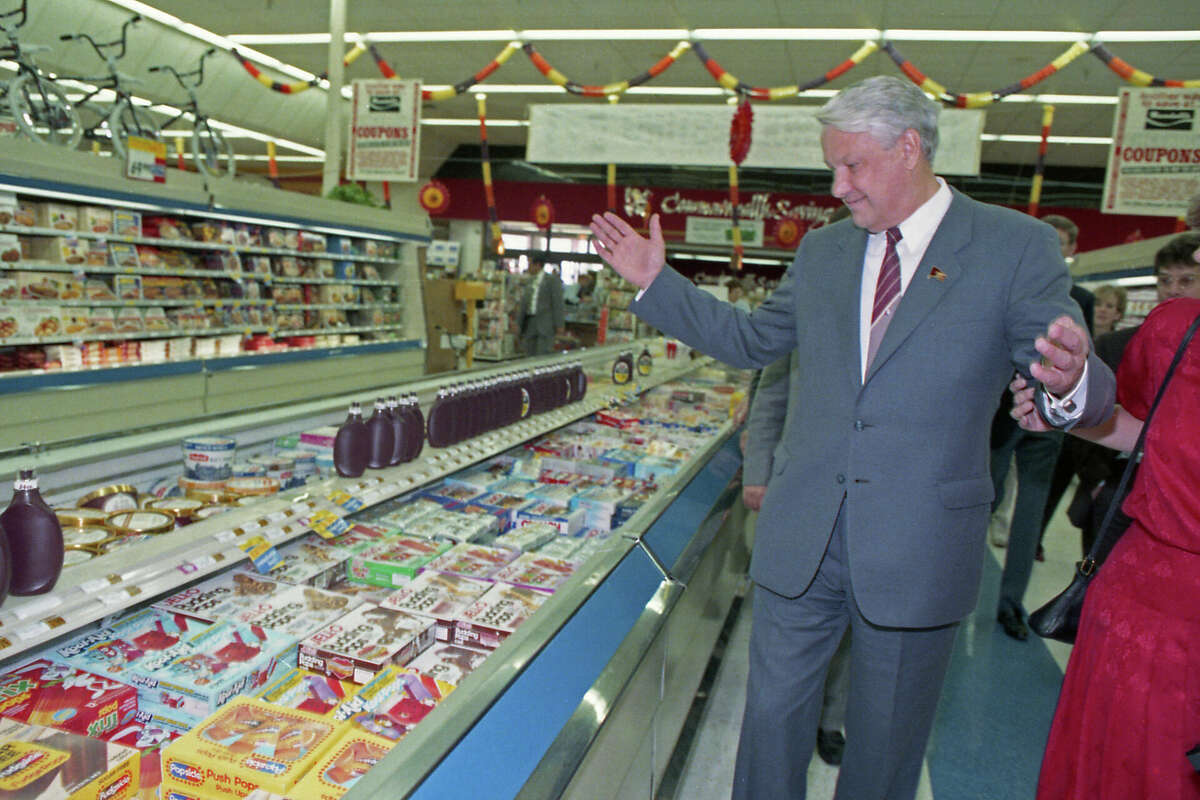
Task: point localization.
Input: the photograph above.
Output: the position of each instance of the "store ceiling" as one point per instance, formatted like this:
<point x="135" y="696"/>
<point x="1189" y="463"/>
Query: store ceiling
<point x="231" y="95"/>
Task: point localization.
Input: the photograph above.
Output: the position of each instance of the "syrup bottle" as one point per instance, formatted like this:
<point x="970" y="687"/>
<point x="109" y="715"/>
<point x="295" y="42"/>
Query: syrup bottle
<point x="352" y="445"/>
<point x="381" y="436"/>
<point x="416" y="427"/>
<point x="398" y="425"/>
<point x="35" y="541"/>
<point x="6" y="566"/>
<point x="581" y="382"/>
<point x="645" y="362"/>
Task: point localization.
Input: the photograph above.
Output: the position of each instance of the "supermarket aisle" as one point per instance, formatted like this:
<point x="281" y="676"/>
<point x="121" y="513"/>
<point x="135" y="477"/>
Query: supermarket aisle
<point x="992" y="720"/>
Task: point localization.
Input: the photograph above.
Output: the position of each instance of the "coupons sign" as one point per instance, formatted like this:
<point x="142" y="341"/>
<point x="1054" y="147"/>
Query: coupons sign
<point x="1154" y="160"/>
<point x="385" y="128"/>
<point x="145" y="159"/>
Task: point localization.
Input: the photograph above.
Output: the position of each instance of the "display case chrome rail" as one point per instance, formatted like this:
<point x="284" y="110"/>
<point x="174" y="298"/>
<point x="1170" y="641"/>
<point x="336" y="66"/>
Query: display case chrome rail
<point x="409" y="763"/>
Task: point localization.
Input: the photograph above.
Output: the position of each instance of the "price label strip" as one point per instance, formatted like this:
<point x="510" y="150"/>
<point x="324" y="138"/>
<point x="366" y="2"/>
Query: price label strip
<point x="327" y="524"/>
<point x="262" y="553"/>
<point x="345" y="500"/>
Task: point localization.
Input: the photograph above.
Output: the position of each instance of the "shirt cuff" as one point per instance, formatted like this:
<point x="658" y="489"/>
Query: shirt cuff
<point x="1065" y="410"/>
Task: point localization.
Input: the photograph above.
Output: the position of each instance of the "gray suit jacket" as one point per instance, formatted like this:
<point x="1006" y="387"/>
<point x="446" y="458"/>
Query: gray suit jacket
<point x="548" y="317"/>
<point x="907" y="449"/>
<point x="766" y="421"/>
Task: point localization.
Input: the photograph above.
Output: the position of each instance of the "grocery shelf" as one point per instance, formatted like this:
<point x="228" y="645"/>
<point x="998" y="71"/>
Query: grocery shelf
<point x="265" y="277"/>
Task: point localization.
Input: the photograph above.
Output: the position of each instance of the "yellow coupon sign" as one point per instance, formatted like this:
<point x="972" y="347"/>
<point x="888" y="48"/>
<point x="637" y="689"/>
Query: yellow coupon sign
<point x="327" y="524"/>
<point x="145" y="159"/>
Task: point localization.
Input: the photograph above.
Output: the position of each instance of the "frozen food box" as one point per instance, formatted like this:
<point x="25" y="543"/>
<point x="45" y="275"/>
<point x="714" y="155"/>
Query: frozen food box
<point x="246" y="745"/>
<point x="149" y="739"/>
<point x="441" y="596"/>
<point x="567" y="520"/>
<point x="472" y="560"/>
<point x="449" y="494"/>
<point x="95" y="219"/>
<point x="394" y="702"/>
<point x="38" y="763"/>
<point x="307" y="691"/>
<point x="536" y="571"/>
<point x="220" y="597"/>
<point x="510" y="503"/>
<point x="449" y="662"/>
<point x="127" y="223"/>
<point x="347" y="760"/>
<point x="495" y="615"/>
<point x="409" y="512"/>
<point x="60" y="216"/>
<point x="311" y="562"/>
<point x="531" y="536"/>
<point x="226" y="660"/>
<point x="395" y="561"/>
<point x="365" y="641"/>
<point x="42" y="692"/>
<point x="564" y="547"/>
<point x="362" y="592"/>
<point x="135" y="645"/>
<point x="59" y="249"/>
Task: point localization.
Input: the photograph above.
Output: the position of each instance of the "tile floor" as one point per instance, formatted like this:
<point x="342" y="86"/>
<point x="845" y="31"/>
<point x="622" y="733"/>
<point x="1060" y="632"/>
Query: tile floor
<point x="992" y="721"/>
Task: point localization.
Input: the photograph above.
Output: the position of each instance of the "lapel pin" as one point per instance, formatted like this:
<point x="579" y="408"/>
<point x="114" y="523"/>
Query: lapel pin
<point x="937" y="274"/>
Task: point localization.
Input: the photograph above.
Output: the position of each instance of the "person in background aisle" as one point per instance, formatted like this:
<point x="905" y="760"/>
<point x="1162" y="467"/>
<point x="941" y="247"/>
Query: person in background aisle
<point x="737" y="296"/>
<point x="1177" y="274"/>
<point x="764" y="429"/>
<point x="1192" y="217"/>
<point x="1127" y="714"/>
<point x="1110" y="309"/>
<point x="542" y="310"/>
<point x="875" y="514"/>
<point x="1068" y="457"/>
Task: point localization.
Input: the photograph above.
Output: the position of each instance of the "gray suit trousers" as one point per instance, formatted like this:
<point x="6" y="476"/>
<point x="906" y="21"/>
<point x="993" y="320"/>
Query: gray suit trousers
<point x="896" y="677"/>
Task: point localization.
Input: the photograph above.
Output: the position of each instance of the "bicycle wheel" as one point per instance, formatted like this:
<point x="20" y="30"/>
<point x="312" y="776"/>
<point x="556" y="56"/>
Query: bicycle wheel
<point x="42" y="111"/>
<point x="212" y="151"/>
<point x="124" y="121"/>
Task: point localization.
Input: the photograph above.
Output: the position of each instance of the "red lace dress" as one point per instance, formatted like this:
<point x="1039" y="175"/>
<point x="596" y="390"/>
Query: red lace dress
<point x="1130" y="703"/>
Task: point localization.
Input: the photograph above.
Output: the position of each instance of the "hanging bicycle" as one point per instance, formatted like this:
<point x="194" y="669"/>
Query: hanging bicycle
<point x="39" y="106"/>
<point x="124" y="118"/>
<point x="211" y="151"/>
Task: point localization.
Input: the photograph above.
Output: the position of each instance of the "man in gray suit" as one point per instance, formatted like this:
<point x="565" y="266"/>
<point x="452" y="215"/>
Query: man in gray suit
<point x="542" y="313"/>
<point x="907" y="321"/>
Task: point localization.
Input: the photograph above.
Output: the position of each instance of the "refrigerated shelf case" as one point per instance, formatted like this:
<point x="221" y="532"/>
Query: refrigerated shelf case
<point x="613" y="615"/>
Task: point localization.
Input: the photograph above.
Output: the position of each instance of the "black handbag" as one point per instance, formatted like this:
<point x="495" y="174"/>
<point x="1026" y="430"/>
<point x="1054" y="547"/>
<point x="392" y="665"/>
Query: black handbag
<point x="1059" y="618"/>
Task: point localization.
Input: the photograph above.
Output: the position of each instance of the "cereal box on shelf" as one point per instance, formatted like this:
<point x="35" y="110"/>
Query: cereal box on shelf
<point x="495" y="615"/>
<point x="536" y="571"/>
<point x="449" y="662"/>
<point x="42" y="692"/>
<point x="394" y="702"/>
<point x="395" y="561"/>
<point x="441" y="596"/>
<point x="347" y="760"/>
<point x="472" y="560"/>
<point x="246" y="745"/>
<point x="363" y="642"/>
<point x="38" y="763"/>
<point x="307" y="691"/>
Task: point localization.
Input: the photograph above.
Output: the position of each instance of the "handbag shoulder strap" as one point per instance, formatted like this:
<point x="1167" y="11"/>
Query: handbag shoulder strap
<point x="1094" y="557"/>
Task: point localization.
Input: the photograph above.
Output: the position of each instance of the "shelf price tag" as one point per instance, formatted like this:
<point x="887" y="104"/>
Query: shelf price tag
<point x="262" y="553"/>
<point x="345" y="500"/>
<point x="327" y="524"/>
<point x="145" y="160"/>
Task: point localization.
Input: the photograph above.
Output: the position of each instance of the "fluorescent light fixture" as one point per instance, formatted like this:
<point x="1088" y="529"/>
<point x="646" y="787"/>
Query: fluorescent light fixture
<point x="786" y="34"/>
<point x="1032" y="138"/>
<point x="602" y="34"/>
<point x="1148" y="36"/>
<point x="1062" y="99"/>
<point x="931" y="35"/>
<point x="458" y="123"/>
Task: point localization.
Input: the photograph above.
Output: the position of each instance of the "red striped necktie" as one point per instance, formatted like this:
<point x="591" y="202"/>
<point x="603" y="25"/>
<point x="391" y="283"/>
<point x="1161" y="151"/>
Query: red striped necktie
<point x="887" y="293"/>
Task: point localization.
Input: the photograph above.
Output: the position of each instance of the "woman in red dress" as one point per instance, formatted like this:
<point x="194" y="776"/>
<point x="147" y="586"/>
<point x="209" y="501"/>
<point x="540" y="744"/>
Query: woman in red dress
<point x="1130" y="703"/>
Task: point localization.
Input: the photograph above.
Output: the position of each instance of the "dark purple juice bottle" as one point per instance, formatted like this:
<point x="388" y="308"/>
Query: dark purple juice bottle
<point x="397" y="421"/>
<point x="352" y="445"/>
<point x="35" y="541"/>
<point x="416" y="427"/>
<point x="439" y="420"/>
<point x="381" y="436"/>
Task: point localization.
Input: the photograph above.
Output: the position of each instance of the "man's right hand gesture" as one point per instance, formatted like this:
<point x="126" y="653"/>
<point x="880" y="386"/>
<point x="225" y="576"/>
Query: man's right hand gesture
<point x="636" y="258"/>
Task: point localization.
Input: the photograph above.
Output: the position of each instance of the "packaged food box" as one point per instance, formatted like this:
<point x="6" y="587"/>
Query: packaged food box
<point x="246" y="745"/>
<point x="536" y="571"/>
<point x="8" y="208"/>
<point x="148" y="739"/>
<point x="562" y="492"/>
<point x="359" y="537"/>
<point x="98" y="289"/>
<point x="363" y="592"/>
<point x="95" y="219"/>
<point x="38" y="763"/>
<point x="159" y="227"/>
<point x="311" y="562"/>
<point x="128" y="287"/>
<point x="127" y="223"/>
<point x="365" y="641"/>
<point x="494" y="616"/>
<point x="60" y="216"/>
<point x="412" y="510"/>
<point x="564" y="547"/>
<point x="480" y="524"/>
<point x="155" y="319"/>
<point x="137" y="644"/>
<point x="566" y="520"/>
<point x="449" y="494"/>
<point x="395" y="701"/>
<point x="307" y="691"/>
<point x="37" y="285"/>
<point x="102" y="320"/>
<point x="25" y="213"/>
<point x="75" y="321"/>
<point x="509" y="503"/>
<point x="531" y="536"/>
<point x="472" y="560"/>
<point x="225" y="660"/>
<point x="129" y="320"/>
<point x="42" y="692"/>
<point x="158" y="715"/>
<point x="441" y="596"/>
<point x="449" y="662"/>
<point x="59" y="249"/>
<point x="10" y="247"/>
<point x="393" y="562"/>
<point x="652" y="467"/>
<point x="347" y="760"/>
<point x="11" y="321"/>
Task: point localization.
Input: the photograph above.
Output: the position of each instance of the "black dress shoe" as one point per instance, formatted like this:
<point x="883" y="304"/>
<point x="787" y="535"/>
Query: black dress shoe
<point x="830" y="745"/>
<point x="1014" y="626"/>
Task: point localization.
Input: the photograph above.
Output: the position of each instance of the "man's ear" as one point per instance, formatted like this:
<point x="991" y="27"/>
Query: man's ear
<point x="910" y="142"/>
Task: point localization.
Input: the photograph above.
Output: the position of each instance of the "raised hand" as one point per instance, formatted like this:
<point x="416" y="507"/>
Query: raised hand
<point x="1064" y="351"/>
<point x="636" y="258"/>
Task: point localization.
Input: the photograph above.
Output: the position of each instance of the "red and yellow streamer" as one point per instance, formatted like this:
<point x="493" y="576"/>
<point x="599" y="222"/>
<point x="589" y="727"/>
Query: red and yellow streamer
<point x="587" y="90"/>
<point x="730" y="82"/>
<point x="489" y="192"/>
<point x="1134" y="75"/>
<point x="297" y="86"/>
<point x="1035" y="190"/>
<point x="459" y="88"/>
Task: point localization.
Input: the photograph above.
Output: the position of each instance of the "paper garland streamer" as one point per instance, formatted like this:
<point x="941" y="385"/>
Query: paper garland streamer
<point x="610" y="174"/>
<point x="297" y="86"/>
<point x="980" y="99"/>
<point x="1035" y="190"/>
<point x="488" y="192"/>
<point x="728" y="81"/>
<point x="558" y="79"/>
<point x="1134" y="75"/>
